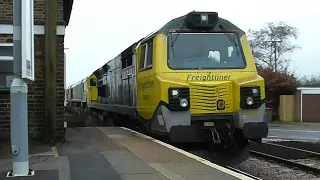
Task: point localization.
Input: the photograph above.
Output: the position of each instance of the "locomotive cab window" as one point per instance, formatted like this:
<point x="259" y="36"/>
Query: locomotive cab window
<point x="92" y="82"/>
<point x="205" y="51"/>
<point x="129" y="60"/>
<point x="149" y="55"/>
<point x="126" y="61"/>
<point x="146" y="57"/>
<point x="142" y="57"/>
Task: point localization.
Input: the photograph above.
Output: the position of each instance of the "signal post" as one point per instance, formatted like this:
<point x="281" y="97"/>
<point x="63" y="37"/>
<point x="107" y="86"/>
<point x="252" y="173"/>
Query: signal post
<point x="23" y="69"/>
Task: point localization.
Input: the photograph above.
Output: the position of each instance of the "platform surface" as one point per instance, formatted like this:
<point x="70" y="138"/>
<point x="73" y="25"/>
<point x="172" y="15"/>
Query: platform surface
<point x="119" y="154"/>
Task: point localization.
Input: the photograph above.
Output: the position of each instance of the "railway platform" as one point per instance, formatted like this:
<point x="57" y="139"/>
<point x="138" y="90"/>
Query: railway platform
<point x="116" y="153"/>
<point x="309" y="132"/>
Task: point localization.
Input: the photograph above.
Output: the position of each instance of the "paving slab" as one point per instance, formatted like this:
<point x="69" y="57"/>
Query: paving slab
<point x="127" y="163"/>
<point x="83" y="151"/>
<point x="91" y="166"/>
<point x="43" y="164"/>
<point x="156" y="176"/>
<point x="191" y="171"/>
<point x="85" y="140"/>
<point x="39" y="175"/>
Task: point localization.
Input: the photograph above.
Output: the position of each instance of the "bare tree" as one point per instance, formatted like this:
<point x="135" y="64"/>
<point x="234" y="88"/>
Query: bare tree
<point x="271" y="44"/>
<point x="313" y="80"/>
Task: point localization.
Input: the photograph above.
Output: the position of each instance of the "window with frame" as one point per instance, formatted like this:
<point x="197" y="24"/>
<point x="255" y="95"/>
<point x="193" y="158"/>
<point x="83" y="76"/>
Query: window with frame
<point x="149" y="55"/>
<point x="6" y="51"/>
<point x="93" y="82"/>
<point x="127" y="60"/>
<point x="6" y="64"/>
<point x="142" y="57"/>
<point x="146" y="57"/>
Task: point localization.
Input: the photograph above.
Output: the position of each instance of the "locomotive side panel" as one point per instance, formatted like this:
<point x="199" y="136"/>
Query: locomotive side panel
<point x="129" y="86"/>
<point x="111" y="81"/>
<point x="118" y="99"/>
<point x="117" y="92"/>
<point x="107" y="88"/>
<point x="77" y="93"/>
<point x="128" y="74"/>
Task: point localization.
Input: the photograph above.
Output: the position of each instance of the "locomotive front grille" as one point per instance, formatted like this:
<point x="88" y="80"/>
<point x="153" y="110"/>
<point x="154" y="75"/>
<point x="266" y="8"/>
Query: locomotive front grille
<point x="205" y="98"/>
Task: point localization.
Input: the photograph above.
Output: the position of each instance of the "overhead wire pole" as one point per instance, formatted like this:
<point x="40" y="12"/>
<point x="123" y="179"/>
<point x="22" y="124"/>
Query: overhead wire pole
<point x="50" y="70"/>
<point x="274" y="43"/>
<point x="19" y="91"/>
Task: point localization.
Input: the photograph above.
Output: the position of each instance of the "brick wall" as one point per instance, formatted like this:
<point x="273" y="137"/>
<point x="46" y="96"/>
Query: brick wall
<point x="6" y="11"/>
<point x="36" y="88"/>
<point x="4" y="115"/>
<point x="36" y="94"/>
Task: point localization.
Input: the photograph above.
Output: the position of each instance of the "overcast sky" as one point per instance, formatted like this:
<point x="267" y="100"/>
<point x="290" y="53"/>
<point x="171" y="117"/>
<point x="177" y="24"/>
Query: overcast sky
<point x="99" y="29"/>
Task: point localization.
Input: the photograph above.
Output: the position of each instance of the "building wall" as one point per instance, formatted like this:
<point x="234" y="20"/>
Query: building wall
<point x="6" y="11"/>
<point x="36" y="88"/>
<point x="310" y="104"/>
<point x="311" y="108"/>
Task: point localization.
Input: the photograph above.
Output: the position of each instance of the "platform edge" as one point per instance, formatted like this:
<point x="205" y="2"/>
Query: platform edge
<point x="197" y="158"/>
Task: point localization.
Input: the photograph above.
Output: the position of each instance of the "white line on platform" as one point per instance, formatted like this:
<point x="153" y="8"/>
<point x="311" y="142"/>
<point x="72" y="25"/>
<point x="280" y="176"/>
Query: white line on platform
<point x="166" y="172"/>
<point x="291" y="139"/>
<point x="294" y="130"/>
<point x="197" y="158"/>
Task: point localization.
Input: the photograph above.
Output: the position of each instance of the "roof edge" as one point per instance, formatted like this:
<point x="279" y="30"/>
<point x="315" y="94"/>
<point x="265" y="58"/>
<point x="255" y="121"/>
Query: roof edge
<point x="67" y="9"/>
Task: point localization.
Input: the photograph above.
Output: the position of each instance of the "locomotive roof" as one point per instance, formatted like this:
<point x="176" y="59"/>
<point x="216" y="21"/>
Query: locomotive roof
<point x="175" y="23"/>
<point x="79" y="82"/>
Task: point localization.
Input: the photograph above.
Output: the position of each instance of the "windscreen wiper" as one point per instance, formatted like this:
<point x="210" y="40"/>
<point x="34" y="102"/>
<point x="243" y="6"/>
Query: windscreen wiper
<point x="172" y="43"/>
<point x="175" y="39"/>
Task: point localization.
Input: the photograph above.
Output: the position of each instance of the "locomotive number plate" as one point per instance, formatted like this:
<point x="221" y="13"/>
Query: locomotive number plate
<point x="209" y="124"/>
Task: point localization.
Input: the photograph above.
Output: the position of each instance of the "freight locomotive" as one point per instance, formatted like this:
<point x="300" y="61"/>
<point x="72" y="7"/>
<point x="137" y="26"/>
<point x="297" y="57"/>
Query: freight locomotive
<point x="193" y="80"/>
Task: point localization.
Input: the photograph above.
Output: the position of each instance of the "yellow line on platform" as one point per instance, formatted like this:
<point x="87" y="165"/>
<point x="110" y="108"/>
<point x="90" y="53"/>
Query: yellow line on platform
<point x="53" y="152"/>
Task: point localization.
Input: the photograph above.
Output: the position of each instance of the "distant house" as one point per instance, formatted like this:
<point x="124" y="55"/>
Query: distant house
<point x="307" y="104"/>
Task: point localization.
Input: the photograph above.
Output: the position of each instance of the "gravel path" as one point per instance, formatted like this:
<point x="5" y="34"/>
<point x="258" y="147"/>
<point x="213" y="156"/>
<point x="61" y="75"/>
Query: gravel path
<point x="269" y="170"/>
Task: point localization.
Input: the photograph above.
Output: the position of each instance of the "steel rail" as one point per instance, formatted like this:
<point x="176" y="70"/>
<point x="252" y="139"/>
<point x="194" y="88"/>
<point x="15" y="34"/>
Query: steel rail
<point x="296" y="149"/>
<point x="287" y="162"/>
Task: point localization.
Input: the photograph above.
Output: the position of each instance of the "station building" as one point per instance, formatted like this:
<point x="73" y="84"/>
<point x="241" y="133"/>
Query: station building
<point x="36" y="99"/>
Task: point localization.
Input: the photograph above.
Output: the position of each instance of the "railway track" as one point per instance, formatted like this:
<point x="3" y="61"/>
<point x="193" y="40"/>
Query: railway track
<point x="241" y="172"/>
<point x="281" y="154"/>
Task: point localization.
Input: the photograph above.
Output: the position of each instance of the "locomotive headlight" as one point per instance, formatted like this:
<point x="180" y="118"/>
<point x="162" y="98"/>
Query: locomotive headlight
<point x="175" y="92"/>
<point x="204" y="17"/>
<point x="255" y="91"/>
<point x="183" y="103"/>
<point x="249" y="101"/>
